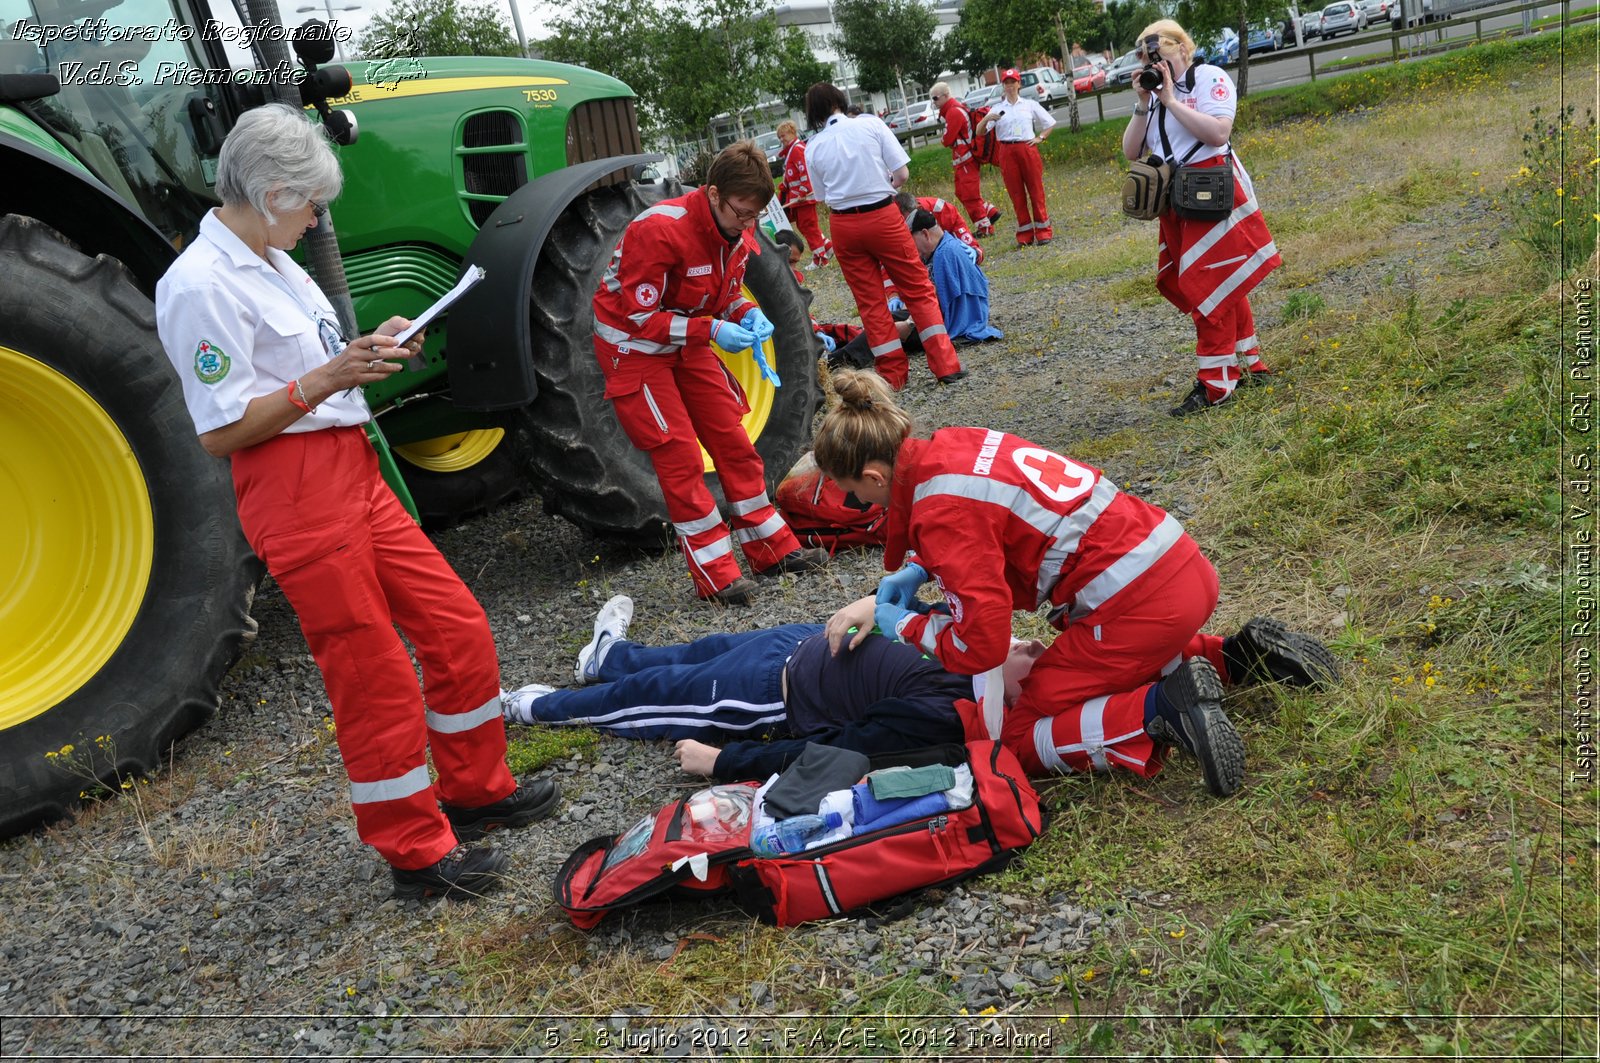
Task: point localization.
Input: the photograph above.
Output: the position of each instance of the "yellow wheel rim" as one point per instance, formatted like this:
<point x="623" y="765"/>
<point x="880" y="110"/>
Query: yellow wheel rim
<point x="76" y="544"/>
<point x="452" y="453"/>
<point x="761" y="395"/>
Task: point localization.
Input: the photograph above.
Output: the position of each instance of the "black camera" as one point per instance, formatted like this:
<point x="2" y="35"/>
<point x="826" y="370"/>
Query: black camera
<point x="1150" y="76"/>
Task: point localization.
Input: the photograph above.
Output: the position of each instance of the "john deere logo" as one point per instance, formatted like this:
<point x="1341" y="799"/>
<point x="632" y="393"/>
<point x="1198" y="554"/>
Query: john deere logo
<point x="211" y="363"/>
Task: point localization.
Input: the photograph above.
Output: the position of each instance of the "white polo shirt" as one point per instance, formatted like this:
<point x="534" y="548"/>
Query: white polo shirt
<point x="1204" y="88"/>
<point x="850" y="160"/>
<point x="1018" y="121"/>
<point x="237" y="328"/>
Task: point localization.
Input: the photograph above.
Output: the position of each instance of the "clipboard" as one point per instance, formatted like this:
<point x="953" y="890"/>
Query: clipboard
<point x="473" y="275"/>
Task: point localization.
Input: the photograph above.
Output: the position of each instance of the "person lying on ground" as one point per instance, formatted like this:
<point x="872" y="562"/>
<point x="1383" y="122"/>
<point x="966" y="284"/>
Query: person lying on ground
<point x="783" y="684"/>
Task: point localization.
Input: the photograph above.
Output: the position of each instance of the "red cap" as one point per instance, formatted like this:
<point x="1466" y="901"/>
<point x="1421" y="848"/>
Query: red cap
<point x="1010" y="73"/>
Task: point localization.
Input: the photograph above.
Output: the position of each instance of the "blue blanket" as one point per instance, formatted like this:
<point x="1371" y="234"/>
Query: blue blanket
<point x="963" y="292"/>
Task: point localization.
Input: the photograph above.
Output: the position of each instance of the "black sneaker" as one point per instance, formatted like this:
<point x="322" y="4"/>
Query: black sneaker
<point x="464" y="872"/>
<point x="801" y="560"/>
<point x="740" y="592"/>
<point x="1194" y="402"/>
<point x="1264" y="651"/>
<point x="951" y="378"/>
<point x="1189" y="714"/>
<point x="534" y="799"/>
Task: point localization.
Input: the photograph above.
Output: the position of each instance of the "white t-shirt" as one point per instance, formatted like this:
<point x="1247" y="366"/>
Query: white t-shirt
<point x="237" y="328"/>
<point x="850" y="160"/>
<point x="1207" y="89"/>
<point x="1019" y="121"/>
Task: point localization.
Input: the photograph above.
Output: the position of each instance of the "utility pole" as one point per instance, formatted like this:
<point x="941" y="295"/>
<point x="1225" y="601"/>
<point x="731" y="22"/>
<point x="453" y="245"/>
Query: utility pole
<point x="1066" y="63"/>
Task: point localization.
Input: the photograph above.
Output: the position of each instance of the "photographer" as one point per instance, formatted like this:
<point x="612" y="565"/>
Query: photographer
<point x="1206" y="268"/>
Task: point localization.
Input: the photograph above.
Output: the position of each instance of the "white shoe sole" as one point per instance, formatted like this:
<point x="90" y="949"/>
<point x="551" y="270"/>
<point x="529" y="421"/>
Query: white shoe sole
<point x="613" y="619"/>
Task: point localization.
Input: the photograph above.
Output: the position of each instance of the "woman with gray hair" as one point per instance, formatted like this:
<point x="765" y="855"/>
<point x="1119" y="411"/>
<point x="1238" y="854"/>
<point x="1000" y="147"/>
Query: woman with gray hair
<point x="272" y="384"/>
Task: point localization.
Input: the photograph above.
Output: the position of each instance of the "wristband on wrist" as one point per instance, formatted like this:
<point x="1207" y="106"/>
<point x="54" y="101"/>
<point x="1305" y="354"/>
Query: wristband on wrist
<point x="1141" y="109"/>
<point x="297" y="396"/>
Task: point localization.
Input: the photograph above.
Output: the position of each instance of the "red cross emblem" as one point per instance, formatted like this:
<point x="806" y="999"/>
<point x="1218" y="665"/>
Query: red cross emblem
<point x="1058" y="478"/>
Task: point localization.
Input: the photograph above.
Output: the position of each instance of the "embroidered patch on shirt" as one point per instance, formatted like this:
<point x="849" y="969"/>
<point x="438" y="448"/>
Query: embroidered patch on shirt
<point x="211" y="363"/>
<point x="1219" y="91"/>
<point x="699" y="271"/>
<point x="646" y="294"/>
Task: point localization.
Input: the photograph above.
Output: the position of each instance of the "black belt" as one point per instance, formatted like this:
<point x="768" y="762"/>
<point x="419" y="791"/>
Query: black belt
<point x="879" y="205"/>
<point x="1016" y="141"/>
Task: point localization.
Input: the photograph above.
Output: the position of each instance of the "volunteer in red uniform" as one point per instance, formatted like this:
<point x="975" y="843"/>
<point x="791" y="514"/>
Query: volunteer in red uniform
<point x="1205" y="268"/>
<point x="856" y="165"/>
<point x="271" y="384"/>
<point x="672" y="289"/>
<point x="1002" y="524"/>
<point x="1021" y="126"/>
<point x="944" y="212"/>
<point x="958" y="135"/>
<point x="796" y="197"/>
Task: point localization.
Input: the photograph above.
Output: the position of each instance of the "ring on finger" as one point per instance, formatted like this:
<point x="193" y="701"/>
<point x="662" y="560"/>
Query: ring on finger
<point x="375" y="363"/>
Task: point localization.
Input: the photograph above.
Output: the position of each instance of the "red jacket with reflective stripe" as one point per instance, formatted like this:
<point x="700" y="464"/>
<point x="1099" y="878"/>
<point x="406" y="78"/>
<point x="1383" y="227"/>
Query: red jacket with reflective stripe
<point x="1003" y="524"/>
<point x="671" y="274"/>
<point x="795" y="187"/>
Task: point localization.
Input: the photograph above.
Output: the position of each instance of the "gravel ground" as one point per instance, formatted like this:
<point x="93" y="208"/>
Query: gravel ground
<point x="233" y="886"/>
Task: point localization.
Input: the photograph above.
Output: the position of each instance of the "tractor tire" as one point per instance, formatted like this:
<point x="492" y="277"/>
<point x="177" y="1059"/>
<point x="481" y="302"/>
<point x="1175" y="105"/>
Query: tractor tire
<point x="445" y="495"/>
<point x="573" y="448"/>
<point x="128" y="581"/>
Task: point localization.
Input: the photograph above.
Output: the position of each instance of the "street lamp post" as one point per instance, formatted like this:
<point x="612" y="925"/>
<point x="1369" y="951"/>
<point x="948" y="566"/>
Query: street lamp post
<point x="327" y="7"/>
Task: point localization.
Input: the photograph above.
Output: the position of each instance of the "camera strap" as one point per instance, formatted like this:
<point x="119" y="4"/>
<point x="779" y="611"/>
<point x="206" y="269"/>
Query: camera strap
<point x="1186" y="85"/>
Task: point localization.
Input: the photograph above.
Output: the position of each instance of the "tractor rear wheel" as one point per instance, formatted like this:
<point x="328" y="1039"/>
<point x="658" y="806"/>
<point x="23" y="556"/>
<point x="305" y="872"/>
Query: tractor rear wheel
<point x="574" y="449"/>
<point x="128" y="582"/>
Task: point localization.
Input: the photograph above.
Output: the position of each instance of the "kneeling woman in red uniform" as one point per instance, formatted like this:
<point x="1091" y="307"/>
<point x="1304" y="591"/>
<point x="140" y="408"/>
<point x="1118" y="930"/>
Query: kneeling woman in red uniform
<point x="672" y="289"/>
<point x="1002" y="524"/>
<point x="1205" y="268"/>
<point x="271" y="383"/>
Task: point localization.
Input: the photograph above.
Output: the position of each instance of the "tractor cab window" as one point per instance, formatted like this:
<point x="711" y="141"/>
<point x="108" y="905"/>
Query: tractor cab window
<point x="128" y="69"/>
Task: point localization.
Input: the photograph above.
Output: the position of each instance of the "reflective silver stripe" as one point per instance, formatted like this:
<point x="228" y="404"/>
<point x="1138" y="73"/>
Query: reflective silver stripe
<point x="717" y="549"/>
<point x="1249" y="343"/>
<point x="937" y="622"/>
<point x="1127" y="568"/>
<point x="928" y="333"/>
<point x="703" y="524"/>
<point x="612" y="283"/>
<point x="678" y="329"/>
<point x="453" y="723"/>
<point x="1224" y="263"/>
<point x="746" y="506"/>
<point x="655" y="411"/>
<point x="1041" y="223"/>
<point x="1068" y="533"/>
<point x="1217" y="231"/>
<point x="1023" y="227"/>
<point x="1092" y="729"/>
<point x="1216" y="361"/>
<point x="962" y="158"/>
<point x="1239" y="276"/>
<point x="826" y="886"/>
<point x="771" y="526"/>
<point x="1044" y="746"/>
<point x="887" y="348"/>
<point x="616" y="336"/>
<point x="938" y="205"/>
<point x="666" y="210"/>
<point x="400" y="787"/>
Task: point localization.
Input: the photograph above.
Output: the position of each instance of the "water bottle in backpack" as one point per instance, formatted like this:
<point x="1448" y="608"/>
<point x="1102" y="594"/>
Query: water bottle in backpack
<point x="791" y="835"/>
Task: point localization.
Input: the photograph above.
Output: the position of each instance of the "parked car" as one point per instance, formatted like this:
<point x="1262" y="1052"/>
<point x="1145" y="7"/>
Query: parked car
<point x="1087" y="76"/>
<point x="1268" y="38"/>
<point x="982" y="96"/>
<point x="1223" y="50"/>
<point x="1377" y="11"/>
<point x="1311" y="25"/>
<point x="1043" y="85"/>
<point x="920" y="117"/>
<point x="769" y="143"/>
<point x="1124" y="70"/>
<point x="1344" y="16"/>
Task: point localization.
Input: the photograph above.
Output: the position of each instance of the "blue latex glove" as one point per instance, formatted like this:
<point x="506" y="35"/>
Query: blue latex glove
<point x="896" y="304"/>
<point x="765" y="366"/>
<point x="888" y="616"/>
<point x="757" y="322"/>
<point x="730" y="337"/>
<point x="829" y="344"/>
<point x="972" y="252"/>
<point x="900" y="588"/>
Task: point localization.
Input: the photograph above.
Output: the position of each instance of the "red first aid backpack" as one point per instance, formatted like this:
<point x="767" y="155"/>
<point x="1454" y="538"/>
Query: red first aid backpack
<point x="987" y="147"/>
<point x="814" y="508"/>
<point x="701" y="846"/>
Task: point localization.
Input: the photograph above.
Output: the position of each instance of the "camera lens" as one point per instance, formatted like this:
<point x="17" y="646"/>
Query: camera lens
<point x="1150" y="79"/>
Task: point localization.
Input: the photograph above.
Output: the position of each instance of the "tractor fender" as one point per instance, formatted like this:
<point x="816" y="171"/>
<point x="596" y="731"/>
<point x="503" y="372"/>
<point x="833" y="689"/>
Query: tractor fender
<point x="489" y="347"/>
<point x="83" y="209"/>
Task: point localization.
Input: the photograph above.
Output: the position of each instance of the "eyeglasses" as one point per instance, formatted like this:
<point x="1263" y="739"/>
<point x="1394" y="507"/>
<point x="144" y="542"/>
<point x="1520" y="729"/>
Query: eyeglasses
<point x="317" y="209"/>
<point x="740" y="215"/>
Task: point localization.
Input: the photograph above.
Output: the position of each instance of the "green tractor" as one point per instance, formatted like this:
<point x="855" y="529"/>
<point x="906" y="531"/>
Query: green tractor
<point x="125" y="584"/>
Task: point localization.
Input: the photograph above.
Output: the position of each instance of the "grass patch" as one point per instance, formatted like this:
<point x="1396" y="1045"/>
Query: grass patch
<point x="531" y="748"/>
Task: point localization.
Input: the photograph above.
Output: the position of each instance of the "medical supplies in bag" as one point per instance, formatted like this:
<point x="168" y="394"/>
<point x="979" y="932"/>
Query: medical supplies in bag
<point x="675" y="850"/>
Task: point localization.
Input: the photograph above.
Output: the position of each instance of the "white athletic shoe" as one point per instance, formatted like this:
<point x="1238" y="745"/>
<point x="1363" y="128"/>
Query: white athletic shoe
<point x="610" y="624"/>
<point x="517" y="705"/>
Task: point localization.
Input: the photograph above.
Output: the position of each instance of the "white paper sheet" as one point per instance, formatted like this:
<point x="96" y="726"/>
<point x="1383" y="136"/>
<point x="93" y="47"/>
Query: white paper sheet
<point x="473" y="275"/>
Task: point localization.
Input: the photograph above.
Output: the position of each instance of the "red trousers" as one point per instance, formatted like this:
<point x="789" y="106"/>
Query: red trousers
<point x="804" y="216"/>
<point x="969" y="191"/>
<point x="1023" y="171"/>
<point x="1225" y="346"/>
<point x="353" y="565"/>
<point x="879" y="238"/>
<point x="672" y="404"/>
<point x="1082" y="706"/>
